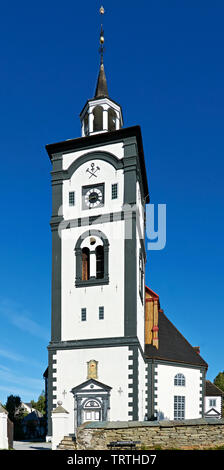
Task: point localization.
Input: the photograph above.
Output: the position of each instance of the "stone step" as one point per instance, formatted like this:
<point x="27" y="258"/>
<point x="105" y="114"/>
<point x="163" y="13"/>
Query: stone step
<point x="63" y="447"/>
<point x="67" y="443"/>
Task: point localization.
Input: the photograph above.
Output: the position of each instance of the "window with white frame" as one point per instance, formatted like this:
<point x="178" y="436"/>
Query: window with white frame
<point x="72" y="198"/>
<point x="101" y="313"/>
<point x="179" y="407"/>
<point x="212" y="402"/>
<point x="86" y="263"/>
<point x="114" y="191"/>
<point x="179" y="380"/>
<point x="83" y="314"/>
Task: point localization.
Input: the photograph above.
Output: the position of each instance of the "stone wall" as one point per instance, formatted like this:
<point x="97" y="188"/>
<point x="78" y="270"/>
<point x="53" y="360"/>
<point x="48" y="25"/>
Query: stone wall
<point x="163" y="434"/>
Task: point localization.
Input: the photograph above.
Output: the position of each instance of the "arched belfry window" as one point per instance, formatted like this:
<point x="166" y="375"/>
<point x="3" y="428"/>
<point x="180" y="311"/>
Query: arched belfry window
<point x="99" y="262"/>
<point x="98" y="119"/>
<point x="92" y="259"/>
<point x="85" y="264"/>
<point x="111" y="120"/>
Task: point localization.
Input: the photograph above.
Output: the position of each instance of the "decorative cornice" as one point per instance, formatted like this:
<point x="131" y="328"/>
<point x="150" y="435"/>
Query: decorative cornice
<point x="94" y="343"/>
<point x="126" y="135"/>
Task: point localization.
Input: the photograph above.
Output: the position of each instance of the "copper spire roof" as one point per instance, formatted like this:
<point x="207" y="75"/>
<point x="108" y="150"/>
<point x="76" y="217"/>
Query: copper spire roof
<point x="101" y="87"/>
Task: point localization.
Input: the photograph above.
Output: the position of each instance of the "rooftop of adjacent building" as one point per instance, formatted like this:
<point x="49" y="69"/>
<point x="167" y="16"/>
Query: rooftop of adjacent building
<point x="171" y="345"/>
<point x="211" y="390"/>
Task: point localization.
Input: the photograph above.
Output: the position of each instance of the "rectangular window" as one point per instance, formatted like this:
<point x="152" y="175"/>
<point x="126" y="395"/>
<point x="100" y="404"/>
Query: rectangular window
<point x="179" y="407"/>
<point x="101" y="313"/>
<point x="114" y="191"/>
<point x="72" y="198"/>
<point x="97" y="415"/>
<point x="83" y="314"/>
<point x="212" y="402"/>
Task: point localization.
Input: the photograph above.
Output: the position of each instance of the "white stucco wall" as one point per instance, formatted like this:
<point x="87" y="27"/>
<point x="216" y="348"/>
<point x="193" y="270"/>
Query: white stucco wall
<point x="71" y="370"/>
<point x="116" y="149"/>
<point x="166" y="390"/>
<point x="141" y="387"/>
<point x="107" y="175"/>
<point x="217" y="407"/>
<point x="71" y="365"/>
<point x="3" y="431"/>
<point x="110" y="296"/>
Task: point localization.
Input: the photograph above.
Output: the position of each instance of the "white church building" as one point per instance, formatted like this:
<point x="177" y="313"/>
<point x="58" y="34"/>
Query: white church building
<point x="113" y="354"/>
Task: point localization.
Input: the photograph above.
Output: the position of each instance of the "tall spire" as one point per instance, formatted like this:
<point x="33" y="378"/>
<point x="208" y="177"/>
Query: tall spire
<point x="101" y="87"/>
<point x="101" y="114"/>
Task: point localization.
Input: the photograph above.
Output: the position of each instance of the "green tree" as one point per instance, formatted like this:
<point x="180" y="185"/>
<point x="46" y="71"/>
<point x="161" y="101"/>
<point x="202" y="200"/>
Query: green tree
<point x="40" y="405"/>
<point x="219" y="381"/>
<point x="16" y="415"/>
<point x="12" y="405"/>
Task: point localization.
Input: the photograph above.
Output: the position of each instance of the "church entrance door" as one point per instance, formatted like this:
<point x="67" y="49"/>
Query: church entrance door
<point x="91" y="416"/>
<point x="92" y="411"/>
<point x="92" y="402"/>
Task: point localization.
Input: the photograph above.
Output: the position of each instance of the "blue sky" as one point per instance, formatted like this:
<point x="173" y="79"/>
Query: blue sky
<point x="164" y="65"/>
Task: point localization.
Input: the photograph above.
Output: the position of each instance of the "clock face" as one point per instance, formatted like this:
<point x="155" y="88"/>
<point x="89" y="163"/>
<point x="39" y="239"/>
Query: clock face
<point x="93" y="196"/>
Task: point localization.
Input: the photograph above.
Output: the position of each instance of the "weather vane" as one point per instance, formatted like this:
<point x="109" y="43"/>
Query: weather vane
<point x="101" y="49"/>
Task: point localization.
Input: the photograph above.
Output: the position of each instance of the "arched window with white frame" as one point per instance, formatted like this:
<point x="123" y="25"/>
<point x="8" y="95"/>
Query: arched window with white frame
<point x="92" y="259"/>
<point x="179" y="380"/>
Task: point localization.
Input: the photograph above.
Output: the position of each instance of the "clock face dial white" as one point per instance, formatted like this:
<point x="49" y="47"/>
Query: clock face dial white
<point x="93" y="197"/>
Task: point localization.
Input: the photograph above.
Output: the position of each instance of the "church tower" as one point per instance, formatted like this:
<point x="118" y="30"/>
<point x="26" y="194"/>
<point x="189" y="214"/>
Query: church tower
<point x="99" y="191"/>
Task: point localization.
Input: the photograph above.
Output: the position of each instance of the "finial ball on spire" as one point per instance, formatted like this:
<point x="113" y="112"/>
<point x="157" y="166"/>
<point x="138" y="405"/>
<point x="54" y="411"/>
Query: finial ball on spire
<point x="102" y="11"/>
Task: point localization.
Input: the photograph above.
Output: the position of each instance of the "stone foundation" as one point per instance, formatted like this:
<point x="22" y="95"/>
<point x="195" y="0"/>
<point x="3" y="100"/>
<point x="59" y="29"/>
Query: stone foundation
<point x="163" y="434"/>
